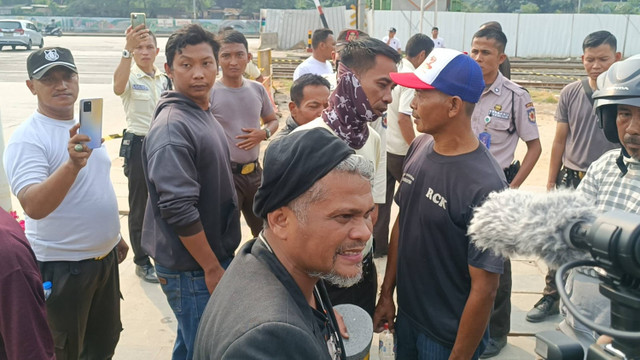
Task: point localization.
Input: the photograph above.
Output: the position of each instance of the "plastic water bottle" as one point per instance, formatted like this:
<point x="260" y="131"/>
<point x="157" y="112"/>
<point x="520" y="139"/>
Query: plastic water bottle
<point x="386" y="349"/>
<point x="46" y="286"/>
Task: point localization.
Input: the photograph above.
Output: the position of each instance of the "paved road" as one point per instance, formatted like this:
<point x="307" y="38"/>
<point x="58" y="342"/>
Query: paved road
<point x="149" y="325"/>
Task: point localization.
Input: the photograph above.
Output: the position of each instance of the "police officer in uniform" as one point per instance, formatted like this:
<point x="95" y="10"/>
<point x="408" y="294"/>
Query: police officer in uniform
<point x="504" y="114"/>
<point x="139" y="83"/>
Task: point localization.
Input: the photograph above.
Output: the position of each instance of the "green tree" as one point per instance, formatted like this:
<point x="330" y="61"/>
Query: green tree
<point x="529" y="8"/>
<point x="254" y="6"/>
<point x="630" y="7"/>
<point x="505" y="6"/>
<point x="555" y="6"/>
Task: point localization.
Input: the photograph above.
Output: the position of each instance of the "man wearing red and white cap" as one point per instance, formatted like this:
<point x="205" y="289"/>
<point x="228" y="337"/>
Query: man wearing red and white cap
<point x="446" y="286"/>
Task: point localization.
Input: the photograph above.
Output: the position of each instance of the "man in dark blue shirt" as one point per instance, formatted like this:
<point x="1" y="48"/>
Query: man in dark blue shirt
<point x="446" y="286"/>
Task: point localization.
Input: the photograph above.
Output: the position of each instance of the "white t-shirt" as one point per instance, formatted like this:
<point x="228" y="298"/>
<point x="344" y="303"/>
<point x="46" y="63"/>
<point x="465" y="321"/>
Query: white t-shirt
<point x="394" y="43"/>
<point x="401" y="104"/>
<point x="85" y="224"/>
<point x="312" y="66"/>
<point x="438" y="43"/>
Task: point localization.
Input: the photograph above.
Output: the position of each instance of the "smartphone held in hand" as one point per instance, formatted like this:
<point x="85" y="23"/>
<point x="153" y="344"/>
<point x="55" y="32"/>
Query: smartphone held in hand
<point x="91" y="121"/>
<point x="138" y="19"/>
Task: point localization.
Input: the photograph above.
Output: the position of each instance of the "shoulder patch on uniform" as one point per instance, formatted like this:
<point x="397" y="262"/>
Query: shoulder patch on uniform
<point x="528" y="105"/>
<point x="531" y="114"/>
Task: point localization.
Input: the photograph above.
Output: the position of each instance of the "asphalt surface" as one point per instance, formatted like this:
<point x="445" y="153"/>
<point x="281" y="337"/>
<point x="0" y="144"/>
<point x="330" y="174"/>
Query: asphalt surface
<point x="149" y="325"/>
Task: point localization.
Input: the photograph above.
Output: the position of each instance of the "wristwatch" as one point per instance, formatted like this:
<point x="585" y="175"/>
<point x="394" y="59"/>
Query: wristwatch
<point x="267" y="132"/>
<point x="126" y="54"/>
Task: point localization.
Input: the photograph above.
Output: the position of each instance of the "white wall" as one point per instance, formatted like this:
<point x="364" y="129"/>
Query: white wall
<point x="293" y="26"/>
<point x="529" y="35"/>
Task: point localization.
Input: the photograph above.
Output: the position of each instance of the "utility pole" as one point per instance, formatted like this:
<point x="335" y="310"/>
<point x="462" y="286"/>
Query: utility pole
<point x="322" y="17"/>
<point x="435" y="14"/>
<point x="362" y="13"/>
<point x="421" y="15"/>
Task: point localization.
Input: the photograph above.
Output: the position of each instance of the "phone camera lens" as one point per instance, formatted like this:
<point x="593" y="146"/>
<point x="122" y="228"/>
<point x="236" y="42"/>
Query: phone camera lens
<point x="87" y="107"/>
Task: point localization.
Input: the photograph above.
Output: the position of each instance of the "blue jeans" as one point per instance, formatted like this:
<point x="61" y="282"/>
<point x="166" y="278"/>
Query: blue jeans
<point x="187" y="294"/>
<point x="413" y="344"/>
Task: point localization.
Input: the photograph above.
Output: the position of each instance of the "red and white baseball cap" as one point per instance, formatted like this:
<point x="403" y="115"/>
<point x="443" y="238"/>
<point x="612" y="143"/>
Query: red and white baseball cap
<point x="446" y="70"/>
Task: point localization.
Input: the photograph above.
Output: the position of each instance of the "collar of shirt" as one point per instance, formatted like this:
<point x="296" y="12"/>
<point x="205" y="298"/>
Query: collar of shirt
<point x="135" y="70"/>
<point x="496" y="87"/>
<point x="406" y="66"/>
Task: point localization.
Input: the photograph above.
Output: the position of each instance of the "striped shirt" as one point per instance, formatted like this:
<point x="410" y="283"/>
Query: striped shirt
<point x="607" y="187"/>
<point x="609" y="190"/>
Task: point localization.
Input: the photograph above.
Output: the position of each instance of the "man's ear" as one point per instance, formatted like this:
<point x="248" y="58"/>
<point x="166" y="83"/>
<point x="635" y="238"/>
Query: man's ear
<point x="456" y="106"/>
<point x="502" y="58"/>
<point x="30" y="86"/>
<point x="279" y="222"/>
<point x="618" y="56"/>
<point x="249" y="56"/>
<point x="292" y="108"/>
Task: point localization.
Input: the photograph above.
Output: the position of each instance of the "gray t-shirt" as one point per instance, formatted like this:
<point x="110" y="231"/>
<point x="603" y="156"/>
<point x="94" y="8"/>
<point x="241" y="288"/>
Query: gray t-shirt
<point x="237" y="108"/>
<point x="585" y="141"/>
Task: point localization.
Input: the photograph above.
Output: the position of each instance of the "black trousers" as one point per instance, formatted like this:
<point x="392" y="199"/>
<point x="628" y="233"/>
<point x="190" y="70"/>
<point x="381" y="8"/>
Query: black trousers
<point x="83" y="310"/>
<point x="363" y="293"/>
<point x="246" y="187"/>
<point x="500" y="321"/>
<point x="137" y="199"/>
<point x="381" y="227"/>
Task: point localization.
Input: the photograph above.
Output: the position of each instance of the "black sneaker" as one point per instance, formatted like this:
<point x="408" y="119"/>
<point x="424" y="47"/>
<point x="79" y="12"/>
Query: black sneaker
<point x="494" y="347"/>
<point x="147" y="273"/>
<point x="542" y="309"/>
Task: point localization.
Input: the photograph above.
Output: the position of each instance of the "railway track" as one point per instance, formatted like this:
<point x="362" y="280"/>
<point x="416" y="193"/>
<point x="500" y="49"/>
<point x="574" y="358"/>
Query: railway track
<point x="543" y="74"/>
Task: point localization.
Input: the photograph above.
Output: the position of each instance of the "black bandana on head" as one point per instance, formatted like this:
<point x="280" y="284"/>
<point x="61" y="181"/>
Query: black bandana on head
<point x="349" y="111"/>
<point x="293" y="163"/>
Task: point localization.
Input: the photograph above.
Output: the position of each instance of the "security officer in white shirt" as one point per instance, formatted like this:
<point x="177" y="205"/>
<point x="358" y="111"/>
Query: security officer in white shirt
<point x="139" y="85"/>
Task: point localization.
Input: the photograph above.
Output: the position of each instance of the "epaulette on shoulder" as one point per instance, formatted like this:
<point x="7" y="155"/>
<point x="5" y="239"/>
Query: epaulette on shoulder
<point x="517" y="89"/>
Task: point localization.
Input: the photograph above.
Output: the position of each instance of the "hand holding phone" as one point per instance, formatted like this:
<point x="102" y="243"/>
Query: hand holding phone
<point x="138" y="19"/>
<point x="91" y="121"/>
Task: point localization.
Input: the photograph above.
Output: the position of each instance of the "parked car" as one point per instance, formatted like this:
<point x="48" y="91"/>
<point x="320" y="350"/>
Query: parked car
<point x="19" y="33"/>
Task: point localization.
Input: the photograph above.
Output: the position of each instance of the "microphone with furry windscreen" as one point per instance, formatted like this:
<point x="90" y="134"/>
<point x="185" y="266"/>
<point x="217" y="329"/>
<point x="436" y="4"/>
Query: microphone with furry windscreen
<point x="552" y="226"/>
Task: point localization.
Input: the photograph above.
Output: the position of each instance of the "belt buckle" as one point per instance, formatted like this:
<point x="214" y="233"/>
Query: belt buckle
<point x="248" y="168"/>
<point x="98" y="258"/>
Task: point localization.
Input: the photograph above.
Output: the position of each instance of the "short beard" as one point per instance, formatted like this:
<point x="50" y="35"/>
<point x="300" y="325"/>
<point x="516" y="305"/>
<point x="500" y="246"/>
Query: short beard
<point x="334" y="278"/>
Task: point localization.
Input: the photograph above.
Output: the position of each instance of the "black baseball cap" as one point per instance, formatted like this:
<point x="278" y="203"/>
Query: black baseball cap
<point x="43" y="60"/>
<point x="392" y="29"/>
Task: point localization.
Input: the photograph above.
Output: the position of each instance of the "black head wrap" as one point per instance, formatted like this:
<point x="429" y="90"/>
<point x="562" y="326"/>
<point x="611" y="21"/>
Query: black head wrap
<point x="293" y="163"/>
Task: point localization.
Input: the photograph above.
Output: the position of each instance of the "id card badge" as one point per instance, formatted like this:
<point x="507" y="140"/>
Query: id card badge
<point x="485" y="138"/>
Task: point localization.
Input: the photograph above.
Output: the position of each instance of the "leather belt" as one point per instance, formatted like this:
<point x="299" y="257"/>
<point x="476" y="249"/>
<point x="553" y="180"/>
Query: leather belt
<point x="98" y="258"/>
<point x="575" y="173"/>
<point x="244" y="169"/>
